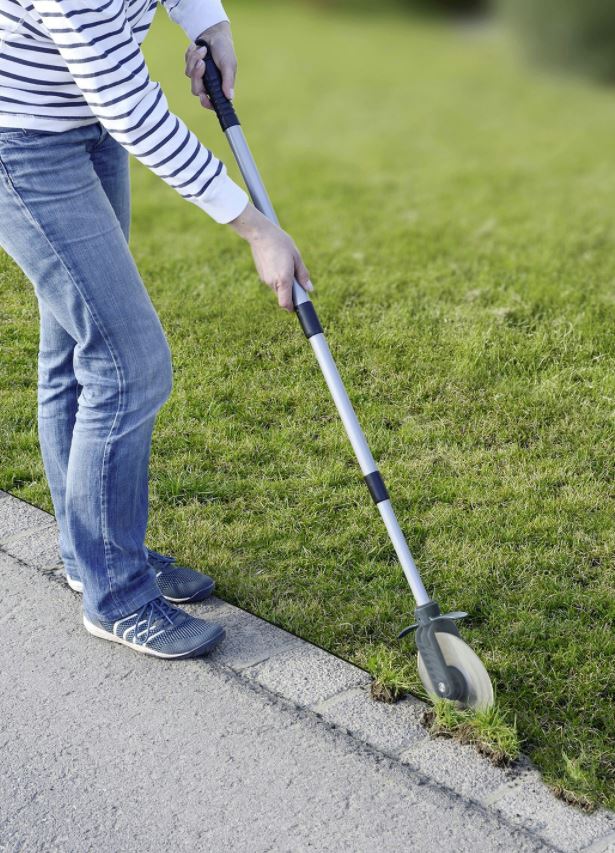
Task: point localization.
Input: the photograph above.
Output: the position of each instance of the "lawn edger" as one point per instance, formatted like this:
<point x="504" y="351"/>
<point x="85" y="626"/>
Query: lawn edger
<point x="448" y="667"/>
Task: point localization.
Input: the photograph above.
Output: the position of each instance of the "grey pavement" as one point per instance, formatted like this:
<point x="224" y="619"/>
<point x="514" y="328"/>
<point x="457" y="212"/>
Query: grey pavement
<point x="268" y="744"/>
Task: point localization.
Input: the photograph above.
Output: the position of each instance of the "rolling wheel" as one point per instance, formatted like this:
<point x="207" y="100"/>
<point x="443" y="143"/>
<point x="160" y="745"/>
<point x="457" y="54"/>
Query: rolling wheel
<point x="457" y="654"/>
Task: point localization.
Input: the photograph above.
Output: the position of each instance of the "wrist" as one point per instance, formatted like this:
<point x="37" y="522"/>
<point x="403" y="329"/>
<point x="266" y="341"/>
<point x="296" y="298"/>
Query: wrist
<point x="220" y="30"/>
<point x="250" y="223"/>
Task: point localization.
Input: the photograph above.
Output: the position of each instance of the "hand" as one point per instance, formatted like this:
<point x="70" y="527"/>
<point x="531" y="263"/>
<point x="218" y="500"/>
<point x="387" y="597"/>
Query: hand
<point x="220" y="43"/>
<point x="276" y="257"/>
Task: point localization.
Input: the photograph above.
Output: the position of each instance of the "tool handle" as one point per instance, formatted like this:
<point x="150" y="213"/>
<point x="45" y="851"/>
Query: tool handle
<point x="212" y="80"/>
<point x="227" y="117"/>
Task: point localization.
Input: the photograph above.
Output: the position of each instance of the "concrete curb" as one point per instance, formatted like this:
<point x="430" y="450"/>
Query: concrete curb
<point x="292" y="671"/>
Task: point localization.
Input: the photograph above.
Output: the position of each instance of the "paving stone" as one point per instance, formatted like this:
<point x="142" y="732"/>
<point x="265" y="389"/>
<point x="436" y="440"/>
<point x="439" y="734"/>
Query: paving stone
<point x="249" y="640"/>
<point x="18" y="517"/>
<point x="306" y="675"/>
<point x="459" y="767"/>
<point x="390" y="728"/>
<point x="530" y="804"/>
<point x="39" y="549"/>
<point x="12" y="595"/>
<point x="603" y="845"/>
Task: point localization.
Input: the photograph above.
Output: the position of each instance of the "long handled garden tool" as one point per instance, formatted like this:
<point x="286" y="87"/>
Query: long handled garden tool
<point x="447" y="666"/>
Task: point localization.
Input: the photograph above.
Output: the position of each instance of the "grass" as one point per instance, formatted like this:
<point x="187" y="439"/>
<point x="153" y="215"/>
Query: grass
<point x="489" y="731"/>
<point x="456" y="214"/>
<point x="393" y="676"/>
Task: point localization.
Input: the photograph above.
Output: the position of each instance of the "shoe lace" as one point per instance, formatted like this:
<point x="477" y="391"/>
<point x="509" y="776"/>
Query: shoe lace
<point x="155" y="614"/>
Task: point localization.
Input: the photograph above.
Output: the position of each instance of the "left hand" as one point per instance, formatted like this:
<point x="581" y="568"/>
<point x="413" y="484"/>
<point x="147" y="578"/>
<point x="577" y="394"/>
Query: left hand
<point x="277" y="259"/>
<point x="220" y="42"/>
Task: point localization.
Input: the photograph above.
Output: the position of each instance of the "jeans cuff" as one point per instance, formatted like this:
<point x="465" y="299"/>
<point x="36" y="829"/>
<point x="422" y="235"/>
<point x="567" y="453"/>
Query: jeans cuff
<point x="148" y="592"/>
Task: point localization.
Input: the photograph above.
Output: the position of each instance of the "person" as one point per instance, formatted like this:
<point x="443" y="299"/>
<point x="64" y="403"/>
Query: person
<point x="75" y="100"/>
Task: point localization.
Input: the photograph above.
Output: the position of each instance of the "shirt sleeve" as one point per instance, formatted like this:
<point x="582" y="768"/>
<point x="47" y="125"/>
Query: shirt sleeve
<point x="194" y="16"/>
<point x="105" y="60"/>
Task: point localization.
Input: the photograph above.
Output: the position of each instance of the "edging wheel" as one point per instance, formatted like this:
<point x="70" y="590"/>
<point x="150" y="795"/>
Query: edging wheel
<point x="456" y="653"/>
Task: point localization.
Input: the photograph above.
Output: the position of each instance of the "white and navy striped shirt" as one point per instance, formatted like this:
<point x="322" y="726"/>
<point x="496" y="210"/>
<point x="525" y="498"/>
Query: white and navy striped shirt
<point x="66" y="63"/>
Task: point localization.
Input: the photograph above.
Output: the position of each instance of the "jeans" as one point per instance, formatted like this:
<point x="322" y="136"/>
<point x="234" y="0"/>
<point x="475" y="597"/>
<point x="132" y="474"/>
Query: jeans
<point x="104" y="366"/>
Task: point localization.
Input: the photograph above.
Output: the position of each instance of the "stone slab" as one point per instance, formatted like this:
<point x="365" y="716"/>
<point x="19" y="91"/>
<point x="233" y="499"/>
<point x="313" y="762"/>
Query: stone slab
<point x="249" y="640"/>
<point x="39" y="549"/>
<point x="18" y="517"/>
<point x="531" y="804"/>
<point x="458" y="767"/>
<point x="306" y="675"/>
<point x="389" y="728"/>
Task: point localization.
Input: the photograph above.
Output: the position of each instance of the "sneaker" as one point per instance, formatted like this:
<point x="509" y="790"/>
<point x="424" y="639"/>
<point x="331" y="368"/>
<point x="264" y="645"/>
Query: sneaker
<point x="161" y="630"/>
<point x="177" y="584"/>
<point x="74" y="583"/>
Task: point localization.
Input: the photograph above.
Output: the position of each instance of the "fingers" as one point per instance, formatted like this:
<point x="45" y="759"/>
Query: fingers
<point x="283" y="286"/>
<point x="196" y="79"/>
<point x="194" y="55"/>
<point x="301" y="273"/>
<point x="195" y="68"/>
<point x="284" y="291"/>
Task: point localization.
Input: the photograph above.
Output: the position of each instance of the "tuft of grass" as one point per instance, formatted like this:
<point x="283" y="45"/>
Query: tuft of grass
<point x="459" y="231"/>
<point x="580" y="772"/>
<point x="490" y="731"/>
<point x="394" y="677"/>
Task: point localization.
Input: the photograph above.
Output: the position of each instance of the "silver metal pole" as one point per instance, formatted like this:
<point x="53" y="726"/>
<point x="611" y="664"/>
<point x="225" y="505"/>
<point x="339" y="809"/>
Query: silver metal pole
<point x="367" y="463"/>
<point x="261" y="200"/>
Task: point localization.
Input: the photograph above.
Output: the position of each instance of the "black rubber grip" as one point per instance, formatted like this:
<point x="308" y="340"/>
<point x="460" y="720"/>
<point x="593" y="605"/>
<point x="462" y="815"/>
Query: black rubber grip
<point x="212" y="80"/>
<point x="376" y="487"/>
<point x="309" y="319"/>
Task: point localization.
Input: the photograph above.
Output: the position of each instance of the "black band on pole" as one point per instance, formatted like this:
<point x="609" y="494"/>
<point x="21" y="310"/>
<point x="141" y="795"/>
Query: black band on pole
<point x="376" y="487"/>
<point x="309" y="319"/>
<point x="212" y="80"/>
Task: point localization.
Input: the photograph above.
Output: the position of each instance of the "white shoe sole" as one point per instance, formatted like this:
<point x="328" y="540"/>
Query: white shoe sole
<point x="201" y="595"/>
<point x="77" y="586"/>
<point x="196" y="652"/>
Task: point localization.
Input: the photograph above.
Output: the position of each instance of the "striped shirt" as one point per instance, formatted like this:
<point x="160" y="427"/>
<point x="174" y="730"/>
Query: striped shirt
<point x="67" y="63"/>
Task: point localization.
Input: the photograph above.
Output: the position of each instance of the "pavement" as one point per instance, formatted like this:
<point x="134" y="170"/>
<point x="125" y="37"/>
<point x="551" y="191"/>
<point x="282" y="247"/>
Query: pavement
<point x="268" y="744"/>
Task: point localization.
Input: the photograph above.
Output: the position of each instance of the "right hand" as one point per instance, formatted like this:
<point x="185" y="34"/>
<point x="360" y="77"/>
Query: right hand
<point x="276" y="257"/>
<point x="220" y="43"/>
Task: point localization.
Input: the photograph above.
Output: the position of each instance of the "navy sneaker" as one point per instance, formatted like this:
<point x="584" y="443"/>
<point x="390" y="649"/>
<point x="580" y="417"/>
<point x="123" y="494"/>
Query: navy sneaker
<point x="177" y="584"/>
<point x="161" y="630"/>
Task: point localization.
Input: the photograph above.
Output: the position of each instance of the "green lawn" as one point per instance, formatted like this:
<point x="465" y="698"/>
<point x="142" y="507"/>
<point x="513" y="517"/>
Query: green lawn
<point x="456" y="213"/>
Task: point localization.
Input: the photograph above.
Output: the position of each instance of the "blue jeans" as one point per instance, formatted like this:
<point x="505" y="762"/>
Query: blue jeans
<point x="104" y="367"/>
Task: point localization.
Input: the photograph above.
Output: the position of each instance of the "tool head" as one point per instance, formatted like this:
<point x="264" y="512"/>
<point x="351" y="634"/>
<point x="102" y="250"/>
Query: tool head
<point x="477" y="688"/>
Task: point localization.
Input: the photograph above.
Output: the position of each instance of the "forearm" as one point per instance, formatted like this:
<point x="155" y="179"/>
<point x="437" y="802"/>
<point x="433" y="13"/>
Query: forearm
<point x="107" y="64"/>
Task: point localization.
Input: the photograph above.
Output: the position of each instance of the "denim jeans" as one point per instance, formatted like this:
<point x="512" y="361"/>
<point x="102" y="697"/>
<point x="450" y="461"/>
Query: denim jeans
<point x="104" y="366"/>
